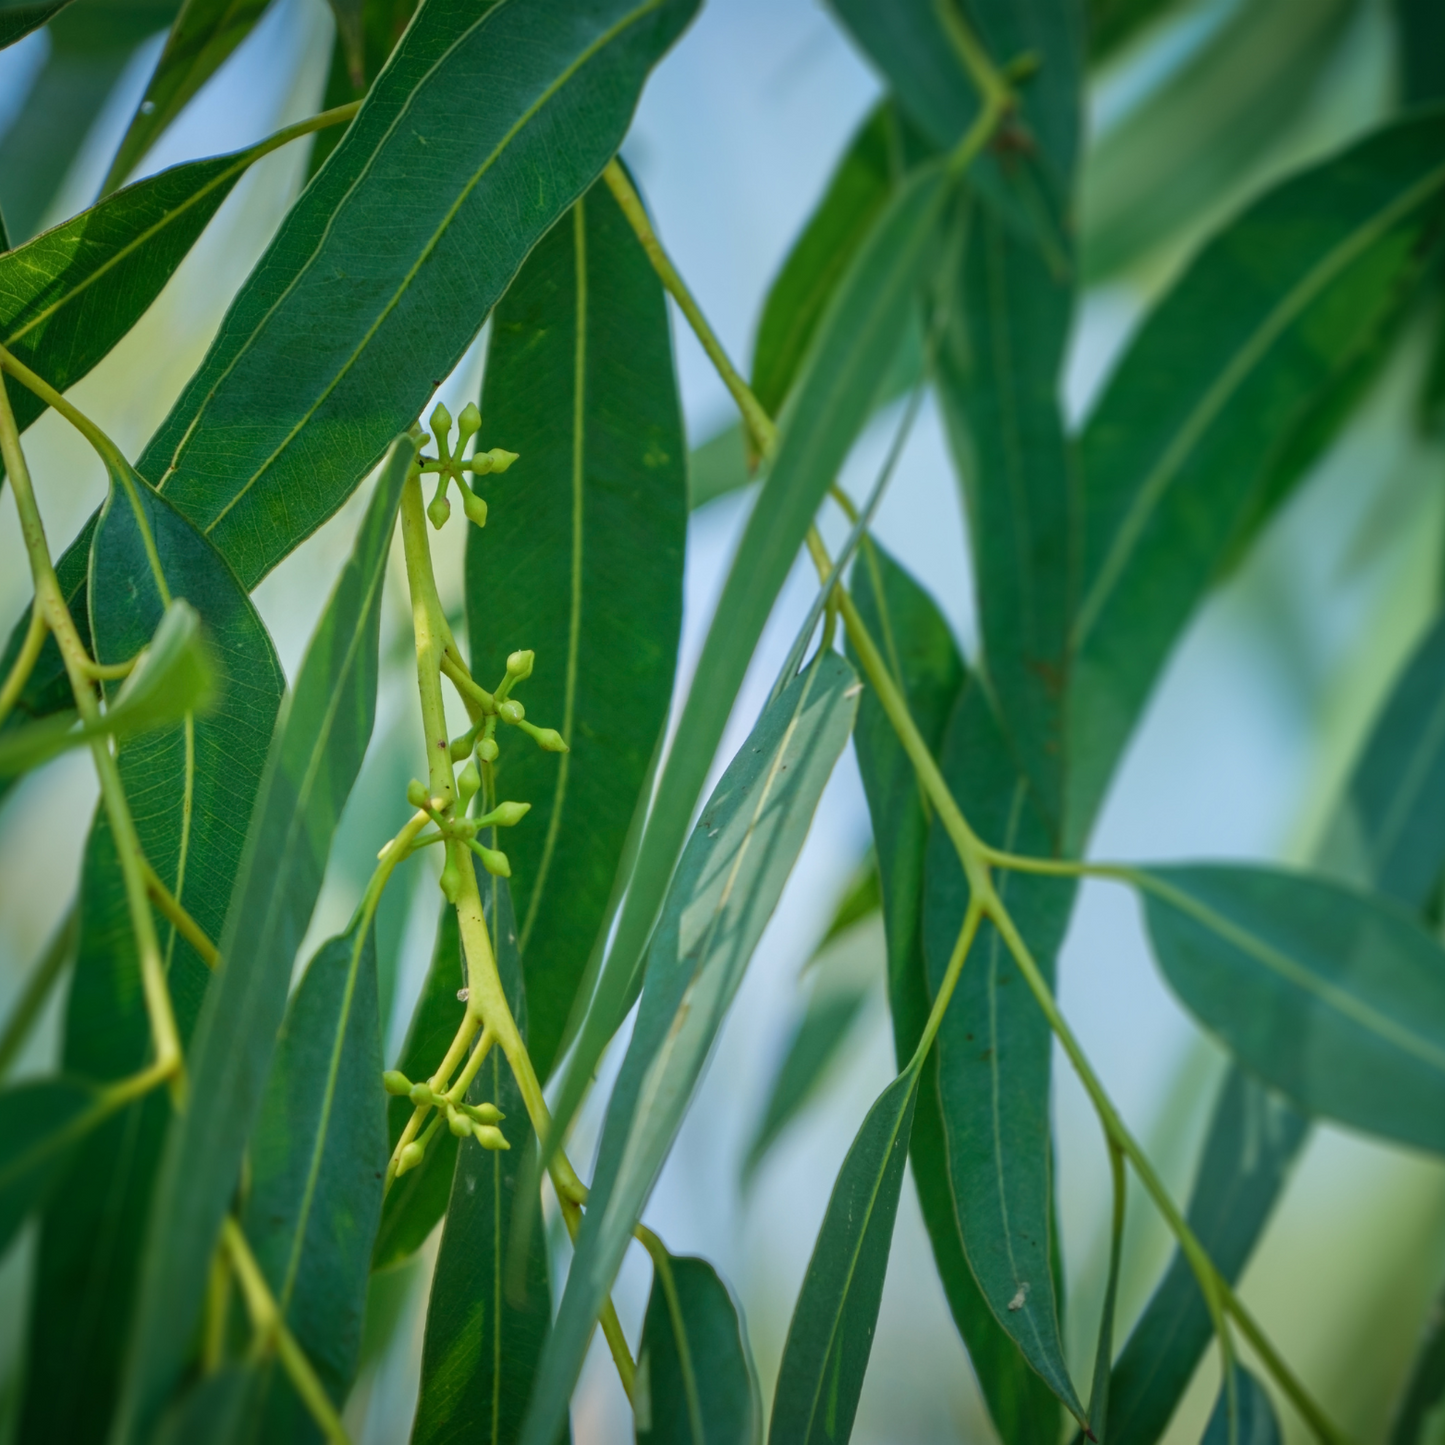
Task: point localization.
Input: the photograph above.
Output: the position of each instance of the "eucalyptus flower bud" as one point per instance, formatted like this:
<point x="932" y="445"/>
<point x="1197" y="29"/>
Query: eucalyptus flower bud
<point x="475" y="507"/>
<point x="519" y="664"/>
<point x="458" y="1123"/>
<point x="487" y="750"/>
<point x="410" y="1157"/>
<point x="469" y="423"/>
<point x="451" y="879"/>
<point x="395" y="1082"/>
<point x="441" y="425"/>
<point x="511" y="711"/>
<point x="416" y="794"/>
<point x="421" y="1094"/>
<point x="549" y="740"/>
<point x="493" y="861"/>
<point x="500" y="459"/>
<point x="440" y="509"/>
<point x="490" y="1137"/>
<point x="505" y="815"/>
<point x="469" y="782"/>
<point x="484" y="1113"/>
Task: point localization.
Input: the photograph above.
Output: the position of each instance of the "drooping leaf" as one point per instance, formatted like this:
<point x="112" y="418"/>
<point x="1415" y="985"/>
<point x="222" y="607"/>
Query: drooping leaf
<point x="994" y="1045"/>
<point x="1231" y="387"/>
<point x="856" y="341"/>
<point x="191" y="789"/>
<point x="816" y="1039"/>
<point x="1253" y="1140"/>
<point x="922" y="655"/>
<point x="376" y="283"/>
<point x="418" y="1198"/>
<point x="581" y="561"/>
<point x="727" y="885"/>
<point x="204" y="34"/>
<point x="17" y="21"/>
<point x="1336" y="998"/>
<point x="44" y="1120"/>
<point x="483" y="1338"/>
<point x="1424" y="1393"/>
<point x="314" y="759"/>
<point x="1242" y="1415"/>
<point x="695" y="1380"/>
<point x="318" y="1157"/>
<point x="831" y="1334"/>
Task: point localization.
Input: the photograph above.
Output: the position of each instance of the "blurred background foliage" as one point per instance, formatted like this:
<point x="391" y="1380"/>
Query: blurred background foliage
<point x="1194" y="107"/>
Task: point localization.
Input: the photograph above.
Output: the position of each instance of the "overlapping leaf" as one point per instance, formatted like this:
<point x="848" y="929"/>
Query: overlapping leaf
<point x="44" y="1122"/>
<point x="581" y="560"/>
<point x="314" y="760"/>
<point x="1242" y="1414"/>
<point x="727" y="885"/>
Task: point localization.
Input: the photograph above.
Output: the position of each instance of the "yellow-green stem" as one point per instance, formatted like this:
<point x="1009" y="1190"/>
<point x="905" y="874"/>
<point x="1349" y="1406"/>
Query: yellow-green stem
<point x="175" y="913"/>
<point x="25" y="662"/>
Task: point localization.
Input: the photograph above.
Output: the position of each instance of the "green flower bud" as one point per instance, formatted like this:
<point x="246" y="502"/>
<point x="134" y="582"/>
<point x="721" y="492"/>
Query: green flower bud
<point x="549" y="740"/>
<point x="493" y="861"/>
<point x="479" y="465"/>
<point x="484" y="1113"/>
<point x="459" y="1124"/>
<point x="440" y="509"/>
<point x="421" y="1094"/>
<point x="395" y="1082"/>
<point x="468" y="423"/>
<point x="474" y="507"/>
<point x="451" y="879"/>
<point x="416" y="794"/>
<point x="500" y="459"/>
<point x="410" y="1157"/>
<point x="461" y="747"/>
<point x="505" y="815"/>
<point x="511" y="711"/>
<point x="489" y="1137"/>
<point x="466" y="828"/>
<point x="469" y="782"/>
<point x="441" y="425"/>
<point x="519" y="664"/>
<point x="487" y="750"/>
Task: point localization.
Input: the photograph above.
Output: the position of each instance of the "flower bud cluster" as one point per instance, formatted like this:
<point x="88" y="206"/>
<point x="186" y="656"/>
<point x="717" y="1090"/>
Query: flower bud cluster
<point x="451" y="467"/>
<point x="479" y="1121"/>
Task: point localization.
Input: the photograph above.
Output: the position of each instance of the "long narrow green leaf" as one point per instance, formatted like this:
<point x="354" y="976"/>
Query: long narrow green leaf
<point x="377" y="281"/>
<point x="727" y="885"/>
<point x="831" y="1334"/>
<point x="205" y="33"/>
<point x="994" y="1045"/>
<point x="851" y="352"/>
<point x="1242" y="1415"/>
<point x="1231" y="387"/>
<point x="191" y="788"/>
<point x="318" y="1157"/>
<point x="482" y="1338"/>
<point x="42" y="1122"/>
<point x="314" y="760"/>
<point x="1336" y="998"/>
<point x="17" y="21"/>
<point x="581" y="561"/>
<point x="1424" y="1393"/>
<point x="922" y="655"/>
<point x="221" y="1409"/>
<point x="695" y="1379"/>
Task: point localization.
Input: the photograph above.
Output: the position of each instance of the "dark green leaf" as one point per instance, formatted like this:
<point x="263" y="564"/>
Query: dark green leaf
<point x="482" y="1338"/>
<point x="727" y="885"/>
<point x="418" y="1198"/>
<point x="192" y="788"/>
<point x="831" y="1334"/>
<point x="695" y="1381"/>
<point x="994" y="1045"/>
<point x="1229" y="390"/>
<point x="17" y="21"/>
<point x="814" y="1044"/>
<point x="205" y="33"/>
<point x="222" y="1409"/>
<point x="1337" y="998"/>
<point x="376" y="284"/>
<point x="853" y="200"/>
<point x="25" y="1011"/>
<point x="1112" y="22"/>
<point x="1104" y="1350"/>
<point x="921" y="653"/>
<point x="857" y="339"/>
<point x="41" y="1123"/>
<point x="314" y="759"/>
<point x="318" y="1157"/>
<point x="581" y="560"/>
<point x="1420" y="26"/>
<point x="1253" y="1140"/>
<point x="1425" y="1390"/>
<point x="1243" y="1415"/>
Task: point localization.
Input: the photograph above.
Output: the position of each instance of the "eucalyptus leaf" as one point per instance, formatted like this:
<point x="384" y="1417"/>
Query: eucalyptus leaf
<point x="581" y="561"/>
<point x="315" y="757"/>
<point x="483" y="1339"/>
<point x="1114" y="22"/>
<point x="1424" y="1395"/>
<point x="1334" y="997"/>
<point x="1421" y="36"/>
<point x="695" y="1379"/>
<point x="375" y="283"/>
<point x="318" y="1157"/>
<point x="923" y="656"/>
<point x="221" y="1409"/>
<point x="43" y="1122"/>
<point x="1243" y="1414"/>
<point x="192" y="787"/>
<point x="831" y="1334"/>
<point x="727" y="885"/>
<point x="1230" y="388"/>
<point x="17" y="21"/>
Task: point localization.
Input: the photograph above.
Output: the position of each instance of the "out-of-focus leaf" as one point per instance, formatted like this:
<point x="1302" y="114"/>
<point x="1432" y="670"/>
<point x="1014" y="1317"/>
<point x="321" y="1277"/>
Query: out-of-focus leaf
<point x="1420" y="32"/>
<point x="483" y="1338"/>
<point x="1230" y="389"/>
<point x="483" y="124"/>
<point x="1243" y="1415"/>
<point x="854" y="198"/>
<point x="861" y="899"/>
<point x="315" y="757"/>
<point x="718" y="466"/>
<point x="318" y="1157"/>
<point x="1099" y="1390"/>
<point x="831" y="1334"/>
<point x="695" y="1380"/>
<point x="1424" y="1396"/>
<point x="814" y="1044"/>
<point x="856" y="341"/>
<point x="727" y="885"/>
<point x="994" y="1045"/>
<point x="921" y="653"/>
<point x="1114" y="22"/>
<point x="1194" y="140"/>
<point x="17" y="21"/>
<point x="204" y="34"/>
<point x="1252" y="1143"/>
<point x="418" y="1198"/>
<point x="1336" y="998"/>
<point x="57" y="957"/>
<point x="191" y="788"/>
<point x="41" y="1123"/>
<point x="581" y="560"/>
<point x="221" y="1409"/>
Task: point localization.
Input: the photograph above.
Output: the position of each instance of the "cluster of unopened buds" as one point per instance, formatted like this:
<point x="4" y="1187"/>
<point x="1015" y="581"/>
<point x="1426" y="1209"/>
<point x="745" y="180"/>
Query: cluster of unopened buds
<point x="477" y="1121"/>
<point x="450" y="466"/>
